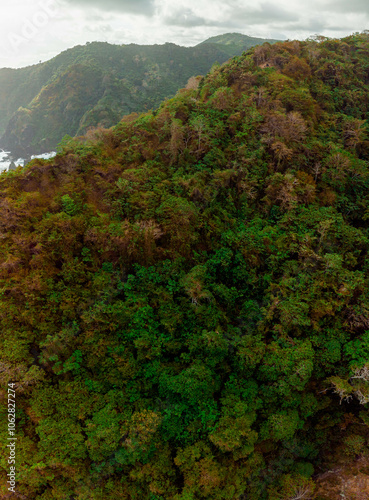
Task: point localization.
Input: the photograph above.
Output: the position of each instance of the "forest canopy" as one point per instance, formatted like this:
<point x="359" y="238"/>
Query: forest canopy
<point x="185" y="296"/>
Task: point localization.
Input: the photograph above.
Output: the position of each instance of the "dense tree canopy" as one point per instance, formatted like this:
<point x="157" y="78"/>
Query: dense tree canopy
<point x="185" y="297"/>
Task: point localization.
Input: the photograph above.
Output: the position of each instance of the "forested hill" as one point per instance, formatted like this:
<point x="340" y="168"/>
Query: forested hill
<point x="185" y="297"/>
<point x="97" y="84"/>
<point x="236" y="43"/>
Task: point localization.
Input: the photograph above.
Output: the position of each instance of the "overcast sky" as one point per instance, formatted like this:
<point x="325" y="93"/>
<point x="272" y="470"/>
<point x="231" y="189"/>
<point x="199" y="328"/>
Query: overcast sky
<point x="38" y="30"/>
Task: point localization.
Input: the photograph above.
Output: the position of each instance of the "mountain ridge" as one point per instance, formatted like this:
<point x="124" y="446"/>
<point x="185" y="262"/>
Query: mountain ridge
<point x="119" y="79"/>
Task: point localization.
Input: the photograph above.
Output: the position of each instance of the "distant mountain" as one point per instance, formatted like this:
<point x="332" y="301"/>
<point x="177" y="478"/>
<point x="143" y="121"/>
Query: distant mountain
<point x="236" y="43"/>
<point x="97" y="84"/>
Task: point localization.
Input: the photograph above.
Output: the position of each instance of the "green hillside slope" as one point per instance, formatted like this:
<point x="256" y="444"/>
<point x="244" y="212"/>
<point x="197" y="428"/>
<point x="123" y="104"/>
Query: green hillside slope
<point x="236" y="43"/>
<point x="185" y="297"/>
<point x="96" y="85"/>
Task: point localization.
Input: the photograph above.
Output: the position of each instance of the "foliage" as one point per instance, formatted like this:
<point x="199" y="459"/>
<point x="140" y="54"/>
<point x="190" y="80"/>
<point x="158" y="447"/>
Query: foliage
<point x="185" y="297"/>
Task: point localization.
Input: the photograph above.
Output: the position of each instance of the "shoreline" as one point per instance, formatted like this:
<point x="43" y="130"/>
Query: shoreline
<point x="10" y="160"/>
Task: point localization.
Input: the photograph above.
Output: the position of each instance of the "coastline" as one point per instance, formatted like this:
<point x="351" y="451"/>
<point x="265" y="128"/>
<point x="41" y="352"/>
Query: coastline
<point x="10" y="160"/>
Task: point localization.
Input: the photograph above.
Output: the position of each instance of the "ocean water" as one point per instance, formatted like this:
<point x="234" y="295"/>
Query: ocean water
<point x="6" y="158"/>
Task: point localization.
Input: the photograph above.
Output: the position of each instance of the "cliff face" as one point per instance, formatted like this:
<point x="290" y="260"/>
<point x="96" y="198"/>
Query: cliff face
<point x="96" y="85"/>
<point x="184" y="298"/>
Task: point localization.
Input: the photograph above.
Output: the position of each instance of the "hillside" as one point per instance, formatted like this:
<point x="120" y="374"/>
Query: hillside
<point x="185" y="296"/>
<point x="96" y="85"/>
<point x="236" y="43"/>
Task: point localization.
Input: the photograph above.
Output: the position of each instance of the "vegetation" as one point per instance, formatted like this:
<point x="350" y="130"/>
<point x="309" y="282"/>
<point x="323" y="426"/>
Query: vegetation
<point x="97" y="84"/>
<point x="185" y="297"/>
<point x="236" y="43"/>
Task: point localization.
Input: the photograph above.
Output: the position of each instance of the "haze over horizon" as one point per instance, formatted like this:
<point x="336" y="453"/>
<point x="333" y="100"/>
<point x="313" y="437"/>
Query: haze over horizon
<point x="39" y="31"/>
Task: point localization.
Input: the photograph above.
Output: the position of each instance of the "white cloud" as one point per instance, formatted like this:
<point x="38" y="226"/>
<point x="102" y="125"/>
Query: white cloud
<point x="140" y="7"/>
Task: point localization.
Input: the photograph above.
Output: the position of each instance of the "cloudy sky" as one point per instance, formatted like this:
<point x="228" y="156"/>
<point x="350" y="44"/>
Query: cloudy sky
<point x="33" y="31"/>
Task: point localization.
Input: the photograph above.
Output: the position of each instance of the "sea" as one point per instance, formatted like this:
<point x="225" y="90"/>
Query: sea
<point x="6" y="158"/>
